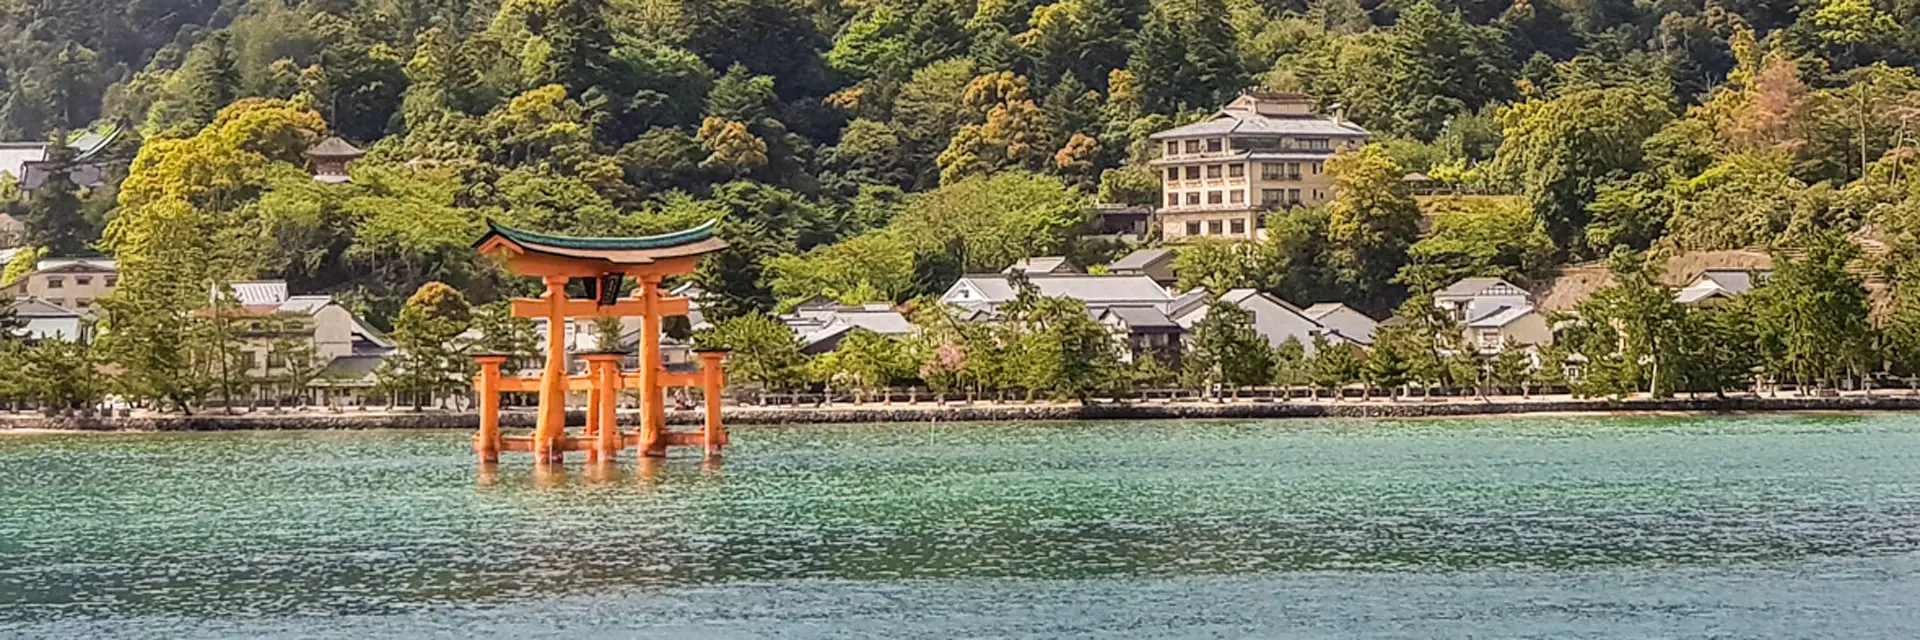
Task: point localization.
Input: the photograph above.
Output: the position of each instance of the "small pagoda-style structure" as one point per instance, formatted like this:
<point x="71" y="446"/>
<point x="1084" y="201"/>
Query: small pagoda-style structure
<point x="330" y="159"/>
<point x="603" y="265"/>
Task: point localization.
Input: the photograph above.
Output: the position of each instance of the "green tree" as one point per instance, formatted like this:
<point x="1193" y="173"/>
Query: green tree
<point x="502" y="333"/>
<point x="1225" y="349"/>
<point x="1373" y="223"/>
<point x="1220" y="267"/>
<point x="54" y="218"/>
<point x="1560" y="151"/>
<point x="761" y="350"/>
<point x="62" y="375"/>
<point x="429" y="358"/>
<point x="863" y="362"/>
<point x="1631" y="331"/>
<point x="1387" y="368"/>
<point x="1333" y="366"/>
<point x="1497" y="240"/>
<point x="1811" y="316"/>
<point x="1512" y="367"/>
<point x="1062" y="350"/>
<point x="1289" y="363"/>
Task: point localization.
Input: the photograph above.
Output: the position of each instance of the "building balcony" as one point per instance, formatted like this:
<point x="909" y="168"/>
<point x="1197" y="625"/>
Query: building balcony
<point x="1206" y="183"/>
<point x="1207" y="208"/>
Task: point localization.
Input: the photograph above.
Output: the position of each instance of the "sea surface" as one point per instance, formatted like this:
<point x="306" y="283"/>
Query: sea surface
<point x="1762" y="526"/>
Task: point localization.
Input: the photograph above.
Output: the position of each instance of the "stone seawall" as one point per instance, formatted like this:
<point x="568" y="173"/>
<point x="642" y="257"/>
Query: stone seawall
<point x="929" y="412"/>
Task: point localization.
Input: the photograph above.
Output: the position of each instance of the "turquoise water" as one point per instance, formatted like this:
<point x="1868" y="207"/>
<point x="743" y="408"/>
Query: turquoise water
<point x="1629" y="527"/>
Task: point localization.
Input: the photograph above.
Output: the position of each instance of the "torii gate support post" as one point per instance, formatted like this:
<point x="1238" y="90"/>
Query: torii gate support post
<point x="604" y="370"/>
<point x="486" y="443"/>
<point x="713" y="378"/>
<point x="552" y="423"/>
<point x="592" y="429"/>
<point x="653" y="412"/>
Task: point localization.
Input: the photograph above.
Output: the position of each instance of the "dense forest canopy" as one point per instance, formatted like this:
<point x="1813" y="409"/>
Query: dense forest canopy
<point x="874" y="150"/>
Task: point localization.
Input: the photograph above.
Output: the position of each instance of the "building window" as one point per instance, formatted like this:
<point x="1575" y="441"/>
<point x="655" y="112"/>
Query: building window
<point x="1213" y="227"/>
<point x="1236" y="196"/>
<point x="1193" y="198"/>
<point x="1193" y="228"/>
<point x="1293" y="196"/>
<point x="1213" y="145"/>
<point x="1293" y="171"/>
<point x="275" y="360"/>
<point x="82" y="280"/>
<point x="1316" y="168"/>
<point x="1193" y="146"/>
<point x="56" y="283"/>
<point x="1193" y="172"/>
<point x="1173" y="173"/>
<point x="1213" y="172"/>
<point x="1239" y="227"/>
<point x="58" y="302"/>
<point x="1214" y="197"/>
<point x="1173" y="199"/>
<point x="1236" y="171"/>
<point x="1316" y="144"/>
<point x="1319" y="195"/>
<point x="1173" y="148"/>
<point x="1272" y="197"/>
<point x="113" y="280"/>
<point x="1270" y="170"/>
<point x="82" y="303"/>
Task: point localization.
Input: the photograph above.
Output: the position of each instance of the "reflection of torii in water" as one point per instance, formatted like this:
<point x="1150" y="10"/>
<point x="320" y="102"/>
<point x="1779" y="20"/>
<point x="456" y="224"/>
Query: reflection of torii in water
<point x="604" y="264"/>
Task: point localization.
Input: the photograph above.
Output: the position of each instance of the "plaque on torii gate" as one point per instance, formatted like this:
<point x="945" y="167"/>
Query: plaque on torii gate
<point x="605" y="264"/>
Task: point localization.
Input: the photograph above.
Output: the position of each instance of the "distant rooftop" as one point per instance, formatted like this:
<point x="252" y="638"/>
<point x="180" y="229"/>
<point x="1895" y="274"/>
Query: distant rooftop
<point x="1031" y="266"/>
<point x="1106" y="290"/>
<point x="1268" y="113"/>
<point x="78" y="264"/>
<point x="1141" y="259"/>
<point x="1479" y="286"/>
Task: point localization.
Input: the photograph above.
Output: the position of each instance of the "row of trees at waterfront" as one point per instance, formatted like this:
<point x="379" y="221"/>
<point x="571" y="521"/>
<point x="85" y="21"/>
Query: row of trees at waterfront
<point x="1808" y="326"/>
<point x="218" y="360"/>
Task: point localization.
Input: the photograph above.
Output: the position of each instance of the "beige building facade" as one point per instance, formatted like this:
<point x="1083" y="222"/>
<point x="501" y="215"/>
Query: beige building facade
<point x="72" y="283"/>
<point x="1265" y="151"/>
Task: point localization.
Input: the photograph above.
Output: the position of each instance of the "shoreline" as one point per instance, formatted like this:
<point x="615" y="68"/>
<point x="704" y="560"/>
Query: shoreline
<point x="930" y="413"/>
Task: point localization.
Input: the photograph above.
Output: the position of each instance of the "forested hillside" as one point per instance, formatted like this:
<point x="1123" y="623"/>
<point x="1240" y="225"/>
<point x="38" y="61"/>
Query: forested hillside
<point x="847" y="145"/>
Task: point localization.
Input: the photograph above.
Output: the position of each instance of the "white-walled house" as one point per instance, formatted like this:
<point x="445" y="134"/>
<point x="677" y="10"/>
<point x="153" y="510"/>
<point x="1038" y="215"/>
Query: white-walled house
<point x="1492" y="311"/>
<point x="1344" y="320"/>
<point x="42" y="320"/>
<point x="988" y="292"/>
<point x="1273" y="318"/>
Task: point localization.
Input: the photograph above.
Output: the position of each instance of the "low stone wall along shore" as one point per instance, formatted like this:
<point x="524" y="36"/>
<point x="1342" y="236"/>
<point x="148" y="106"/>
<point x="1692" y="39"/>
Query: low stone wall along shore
<point x="978" y="412"/>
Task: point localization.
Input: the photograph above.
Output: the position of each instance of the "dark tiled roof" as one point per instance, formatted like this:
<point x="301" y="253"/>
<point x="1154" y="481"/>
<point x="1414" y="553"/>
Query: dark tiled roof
<point x="1142" y="317"/>
<point x="1140" y="259"/>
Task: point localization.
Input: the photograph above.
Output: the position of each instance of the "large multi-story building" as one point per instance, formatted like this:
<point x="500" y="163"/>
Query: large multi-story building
<point x="1263" y="151"/>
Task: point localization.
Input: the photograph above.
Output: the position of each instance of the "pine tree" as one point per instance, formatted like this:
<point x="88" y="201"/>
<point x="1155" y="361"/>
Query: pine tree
<point x="1225" y="349"/>
<point x="54" y="217"/>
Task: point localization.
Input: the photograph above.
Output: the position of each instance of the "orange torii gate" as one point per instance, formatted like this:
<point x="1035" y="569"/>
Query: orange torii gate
<point x="604" y="263"/>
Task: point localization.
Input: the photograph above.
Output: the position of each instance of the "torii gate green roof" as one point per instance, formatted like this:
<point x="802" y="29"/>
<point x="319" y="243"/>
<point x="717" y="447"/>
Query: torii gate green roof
<point x="661" y="241"/>
<point x="633" y="250"/>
